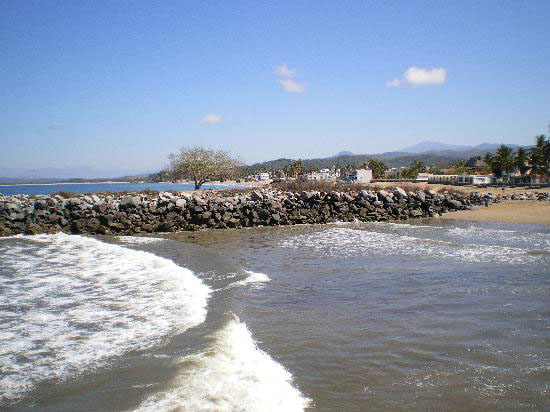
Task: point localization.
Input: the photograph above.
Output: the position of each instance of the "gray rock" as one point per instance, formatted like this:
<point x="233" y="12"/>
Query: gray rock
<point x="399" y="192"/>
<point x="130" y="201"/>
<point x="256" y="196"/>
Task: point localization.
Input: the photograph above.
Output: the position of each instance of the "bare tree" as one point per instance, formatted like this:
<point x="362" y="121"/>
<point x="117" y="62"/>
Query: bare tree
<point x="200" y="165"/>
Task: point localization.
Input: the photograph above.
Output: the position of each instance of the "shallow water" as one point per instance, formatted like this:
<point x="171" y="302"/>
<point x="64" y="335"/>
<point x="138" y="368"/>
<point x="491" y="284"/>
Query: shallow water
<point x="356" y="316"/>
<point x="47" y="189"/>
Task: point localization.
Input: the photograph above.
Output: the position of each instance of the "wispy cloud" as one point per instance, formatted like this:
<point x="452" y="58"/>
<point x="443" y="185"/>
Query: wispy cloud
<point x="393" y="83"/>
<point x="418" y="76"/>
<point x="284" y="71"/>
<point x="292" y="86"/>
<point x="211" y="118"/>
<point x="286" y="79"/>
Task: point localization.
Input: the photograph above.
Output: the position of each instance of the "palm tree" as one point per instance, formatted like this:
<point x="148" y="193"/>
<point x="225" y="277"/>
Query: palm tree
<point x="540" y="157"/>
<point x="378" y="167"/>
<point x="489" y="160"/>
<point x="503" y="161"/>
<point x="521" y="160"/>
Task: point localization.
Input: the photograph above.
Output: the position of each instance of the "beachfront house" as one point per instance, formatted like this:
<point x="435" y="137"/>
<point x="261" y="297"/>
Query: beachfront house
<point x="527" y="178"/>
<point x="443" y="179"/>
<point x="262" y="177"/>
<point x="476" y="163"/>
<point x="474" y="179"/>
<point x="463" y="179"/>
<point x="423" y="177"/>
<point x="325" y="175"/>
<point x="363" y="175"/>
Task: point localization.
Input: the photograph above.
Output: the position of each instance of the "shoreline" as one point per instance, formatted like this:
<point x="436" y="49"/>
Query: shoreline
<point x="63" y="183"/>
<point x="527" y="212"/>
<point x="228" y="183"/>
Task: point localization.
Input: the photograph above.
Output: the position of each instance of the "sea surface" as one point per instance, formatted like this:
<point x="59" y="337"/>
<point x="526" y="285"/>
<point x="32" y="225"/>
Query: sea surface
<point x="46" y="189"/>
<point x="432" y="315"/>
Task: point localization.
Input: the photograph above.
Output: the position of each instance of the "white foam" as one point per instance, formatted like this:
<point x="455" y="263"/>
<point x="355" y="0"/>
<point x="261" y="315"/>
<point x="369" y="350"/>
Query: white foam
<point x="535" y="240"/>
<point x="139" y="240"/>
<point x="234" y="375"/>
<point x="349" y="242"/>
<point x="70" y="304"/>
<point x="255" y="277"/>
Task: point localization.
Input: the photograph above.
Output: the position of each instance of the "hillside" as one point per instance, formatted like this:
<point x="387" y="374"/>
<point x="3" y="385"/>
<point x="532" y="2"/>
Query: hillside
<point x="441" y="158"/>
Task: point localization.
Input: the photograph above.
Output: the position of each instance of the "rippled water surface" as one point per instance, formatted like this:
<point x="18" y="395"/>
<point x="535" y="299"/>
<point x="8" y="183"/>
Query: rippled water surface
<point x="48" y="189"/>
<point x="438" y="315"/>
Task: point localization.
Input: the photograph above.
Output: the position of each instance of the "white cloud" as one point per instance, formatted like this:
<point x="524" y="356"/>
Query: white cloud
<point x="211" y="118"/>
<point x="284" y="71"/>
<point x="292" y="86"/>
<point x="393" y="83"/>
<point x="286" y="79"/>
<point x="417" y="76"/>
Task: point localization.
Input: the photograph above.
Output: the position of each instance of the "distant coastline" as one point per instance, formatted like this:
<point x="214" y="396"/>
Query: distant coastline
<point x="62" y="183"/>
<point x="213" y="183"/>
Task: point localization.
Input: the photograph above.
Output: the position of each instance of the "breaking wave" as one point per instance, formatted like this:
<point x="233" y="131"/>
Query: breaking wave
<point x="69" y="304"/>
<point x="233" y="375"/>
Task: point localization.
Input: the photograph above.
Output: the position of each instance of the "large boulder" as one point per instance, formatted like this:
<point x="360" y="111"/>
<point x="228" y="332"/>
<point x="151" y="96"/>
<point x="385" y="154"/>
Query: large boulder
<point x="455" y="204"/>
<point x="130" y="201"/>
<point x="181" y="203"/>
<point x="256" y="196"/>
<point x="385" y="196"/>
<point x="400" y="192"/>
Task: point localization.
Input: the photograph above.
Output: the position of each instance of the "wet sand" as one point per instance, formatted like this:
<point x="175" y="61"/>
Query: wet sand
<point x="510" y="211"/>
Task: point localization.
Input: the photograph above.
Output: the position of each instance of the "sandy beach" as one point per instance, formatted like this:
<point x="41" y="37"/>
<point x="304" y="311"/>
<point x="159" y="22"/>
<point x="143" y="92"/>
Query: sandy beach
<point x="510" y="211"/>
<point x="466" y="189"/>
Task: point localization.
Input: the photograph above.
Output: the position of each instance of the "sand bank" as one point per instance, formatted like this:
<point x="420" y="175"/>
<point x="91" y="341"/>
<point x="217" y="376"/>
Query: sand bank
<point x="509" y="211"/>
<point x="466" y="189"/>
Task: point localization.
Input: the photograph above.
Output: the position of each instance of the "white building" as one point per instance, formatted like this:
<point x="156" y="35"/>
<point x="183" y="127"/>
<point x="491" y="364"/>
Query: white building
<point x="474" y="179"/>
<point x="423" y="177"/>
<point x="326" y="175"/>
<point x="360" y="175"/>
<point x="461" y="179"/>
<point x="262" y="177"/>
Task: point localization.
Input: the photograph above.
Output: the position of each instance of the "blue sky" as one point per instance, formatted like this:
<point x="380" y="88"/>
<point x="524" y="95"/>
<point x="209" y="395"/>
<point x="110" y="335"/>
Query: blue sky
<point x="121" y="84"/>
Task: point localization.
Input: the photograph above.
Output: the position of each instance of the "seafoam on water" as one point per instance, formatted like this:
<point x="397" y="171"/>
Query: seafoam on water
<point x="256" y="279"/>
<point x="411" y="240"/>
<point x="139" y="240"/>
<point x="70" y="304"/>
<point x="233" y="375"/>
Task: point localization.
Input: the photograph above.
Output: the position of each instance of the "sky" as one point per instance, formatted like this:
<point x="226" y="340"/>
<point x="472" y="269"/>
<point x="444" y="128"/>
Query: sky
<point x="122" y="84"/>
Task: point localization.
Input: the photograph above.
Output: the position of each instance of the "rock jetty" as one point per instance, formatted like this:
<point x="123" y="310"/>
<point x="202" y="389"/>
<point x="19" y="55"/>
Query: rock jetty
<point x="170" y="212"/>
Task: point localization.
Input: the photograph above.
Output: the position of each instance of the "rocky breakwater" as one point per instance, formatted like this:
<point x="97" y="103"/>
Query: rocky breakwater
<point x="169" y="212"/>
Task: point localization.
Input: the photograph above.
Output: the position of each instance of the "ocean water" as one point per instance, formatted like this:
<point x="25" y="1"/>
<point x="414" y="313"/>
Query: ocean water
<point x="432" y="315"/>
<point x="103" y="187"/>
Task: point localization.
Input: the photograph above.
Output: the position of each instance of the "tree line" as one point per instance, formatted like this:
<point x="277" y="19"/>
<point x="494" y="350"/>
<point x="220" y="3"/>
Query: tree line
<point x="536" y="160"/>
<point x="200" y="165"/>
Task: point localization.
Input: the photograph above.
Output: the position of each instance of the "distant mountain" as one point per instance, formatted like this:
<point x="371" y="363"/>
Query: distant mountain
<point x="431" y="147"/>
<point x="52" y="173"/>
<point x="424" y="147"/>
<point x="344" y="153"/>
<point x="430" y="153"/>
<point x="392" y="159"/>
